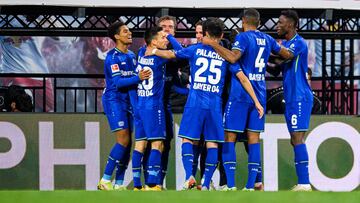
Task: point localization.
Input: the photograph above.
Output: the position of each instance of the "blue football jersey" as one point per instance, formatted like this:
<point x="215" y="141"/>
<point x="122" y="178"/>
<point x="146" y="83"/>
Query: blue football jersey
<point x="118" y="64"/>
<point x="207" y="70"/>
<point x="255" y="48"/>
<point x="296" y="87"/>
<point x="151" y="91"/>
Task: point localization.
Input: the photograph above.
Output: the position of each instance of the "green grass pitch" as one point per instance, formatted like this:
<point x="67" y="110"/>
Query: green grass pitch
<point x="176" y="197"/>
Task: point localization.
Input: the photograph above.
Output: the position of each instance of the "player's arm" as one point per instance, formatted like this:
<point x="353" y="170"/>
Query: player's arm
<point x="176" y="45"/>
<point x="181" y="90"/>
<point x="166" y="54"/>
<point x="124" y="82"/>
<point x="286" y="54"/>
<point x="249" y="89"/>
<point x="230" y="55"/>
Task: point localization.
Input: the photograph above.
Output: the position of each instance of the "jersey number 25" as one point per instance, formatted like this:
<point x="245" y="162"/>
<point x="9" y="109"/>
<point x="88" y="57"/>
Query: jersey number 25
<point x="213" y="68"/>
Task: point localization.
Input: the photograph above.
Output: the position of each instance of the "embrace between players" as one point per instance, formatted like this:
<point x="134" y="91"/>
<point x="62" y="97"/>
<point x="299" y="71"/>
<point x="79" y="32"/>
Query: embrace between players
<point x="134" y="95"/>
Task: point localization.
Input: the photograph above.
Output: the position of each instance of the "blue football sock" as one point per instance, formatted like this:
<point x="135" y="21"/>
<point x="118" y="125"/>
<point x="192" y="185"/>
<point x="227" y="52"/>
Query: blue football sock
<point x="122" y="166"/>
<point x="196" y="159"/>
<point x="154" y="167"/>
<point x="136" y="164"/>
<point x="116" y="154"/>
<point x="187" y="158"/>
<point x="253" y="164"/>
<point x="210" y="165"/>
<point x="229" y="162"/>
<point x="259" y="175"/>
<point x="301" y="163"/>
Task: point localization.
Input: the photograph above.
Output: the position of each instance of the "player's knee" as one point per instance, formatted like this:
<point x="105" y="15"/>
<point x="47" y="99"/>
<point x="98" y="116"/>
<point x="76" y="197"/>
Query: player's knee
<point x="140" y="146"/>
<point x="158" y="145"/>
<point x="184" y="140"/>
<point x="253" y="137"/>
<point x="122" y="137"/>
<point x="297" y="138"/>
<point x="230" y="137"/>
<point x="211" y="145"/>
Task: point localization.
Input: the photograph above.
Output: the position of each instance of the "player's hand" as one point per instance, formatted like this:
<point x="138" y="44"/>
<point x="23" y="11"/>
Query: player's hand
<point x="144" y="74"/>
<point x="260" y="109"/>
<point x="207" y="41"/>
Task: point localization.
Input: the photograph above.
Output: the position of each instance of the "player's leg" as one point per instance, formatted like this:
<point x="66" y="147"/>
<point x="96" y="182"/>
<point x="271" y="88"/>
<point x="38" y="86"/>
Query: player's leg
<point x="154" y="127"/>
<point x="116" y="154"/>
<point x="138" y="153"/>
<point x="121" y="169"/>
<point x="139" y="149"/>
<point x="210" y="164"/>
<point x="253" y="158"/>
<point x="213" y="134"/>
<point x="190" y="130"/>
<point x="258" y="182"/>
<point x="297" y="116"/>
<point x="187" y="159"/>
<point x="119" y="125"/>
<point x="154" y="163"/>
<point x="235" y="120"/>
<point x="123" y="164"/>
<point x="229" y="158"/>
<point x="255" y="125"/>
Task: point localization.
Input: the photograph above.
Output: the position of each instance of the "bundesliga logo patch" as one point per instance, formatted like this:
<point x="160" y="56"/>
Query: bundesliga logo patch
<point x="115" y="68"/>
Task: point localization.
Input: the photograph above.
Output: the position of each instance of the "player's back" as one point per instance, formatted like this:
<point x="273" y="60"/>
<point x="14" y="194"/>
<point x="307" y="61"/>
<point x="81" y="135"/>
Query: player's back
<point x="117" y="64"/>
<point x="296" y="87"/>
<point x="207" y="70"/>
<point x="151" y="91"/>
<point x="255" y="48"/>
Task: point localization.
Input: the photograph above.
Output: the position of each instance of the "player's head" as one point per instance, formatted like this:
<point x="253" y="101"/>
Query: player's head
<point x="288" y="21"/>
<point x="156" y="37"/>
<point x="168" y="24"/>
<point x="199" y="31"/>
<point x="251" y="18"/>
<point x="233" y="34"/>
<point x="120" y="33"/>
<point x="213" y="28"/>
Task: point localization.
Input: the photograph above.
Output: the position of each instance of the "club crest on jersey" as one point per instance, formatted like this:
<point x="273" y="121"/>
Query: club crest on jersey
<point x="115" y="68"/>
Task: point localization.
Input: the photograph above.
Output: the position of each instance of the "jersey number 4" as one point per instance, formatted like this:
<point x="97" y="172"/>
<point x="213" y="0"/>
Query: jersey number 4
<point x="259" y="62"/>
<point x="213" y="68"/>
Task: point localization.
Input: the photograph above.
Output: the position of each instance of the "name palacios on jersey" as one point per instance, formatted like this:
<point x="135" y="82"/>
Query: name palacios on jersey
<point x="204" y="86"/>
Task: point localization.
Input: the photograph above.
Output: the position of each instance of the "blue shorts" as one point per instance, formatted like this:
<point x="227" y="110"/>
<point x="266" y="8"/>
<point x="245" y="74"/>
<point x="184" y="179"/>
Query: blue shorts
<point x="153" y="123"/>
<point x="241" y="116"/>
<point x="297" y="116"/>
<point x="196" y="121"/>
<point x="139" y="128"/>
<point x="118" y="117"/>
